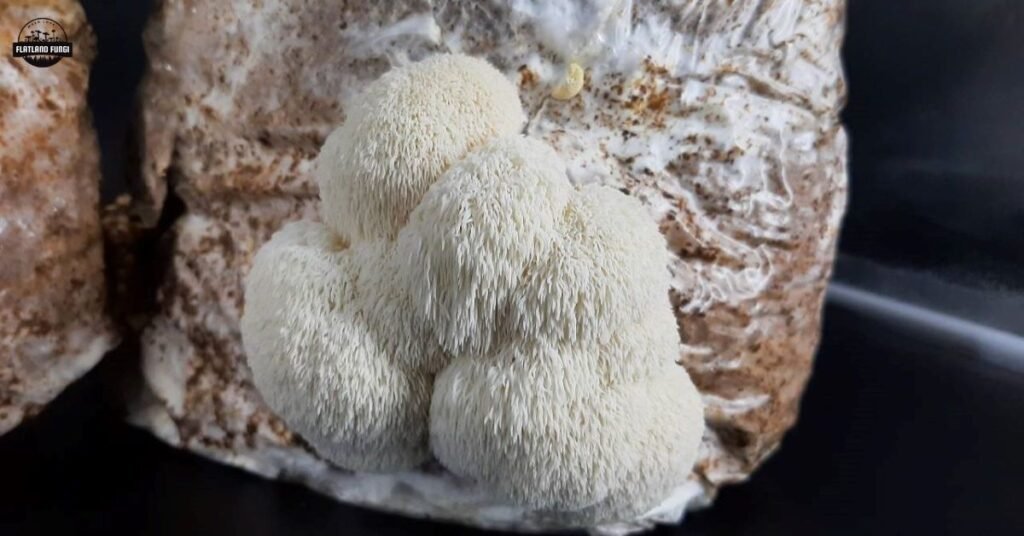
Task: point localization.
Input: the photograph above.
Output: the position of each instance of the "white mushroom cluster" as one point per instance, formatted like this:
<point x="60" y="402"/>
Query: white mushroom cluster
<point x="333" y="342"/>
<point x="463" y="299"/>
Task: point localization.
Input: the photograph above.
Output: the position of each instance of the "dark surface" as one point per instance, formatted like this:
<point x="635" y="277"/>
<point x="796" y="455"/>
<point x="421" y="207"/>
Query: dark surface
<point x="936" y="122"/>
<point x="898" y="435"/>
<point x="113" y="84"/>
<point x="904" y="429"/>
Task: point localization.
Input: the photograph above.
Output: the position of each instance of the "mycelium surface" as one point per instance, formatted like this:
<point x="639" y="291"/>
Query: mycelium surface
<point x="720" y="116"/>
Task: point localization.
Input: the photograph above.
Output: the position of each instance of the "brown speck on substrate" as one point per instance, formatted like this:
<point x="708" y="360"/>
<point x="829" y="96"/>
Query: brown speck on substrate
<point x="527" y="78"/>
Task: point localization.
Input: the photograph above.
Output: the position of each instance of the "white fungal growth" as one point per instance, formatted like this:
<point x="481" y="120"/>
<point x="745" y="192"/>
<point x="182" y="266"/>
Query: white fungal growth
<point x="461" y="290"/>
<point x="564" y="394"/>
<point x="402" y="132"/>
<point x="318" y="361"/>
<point x="333" y="346"/>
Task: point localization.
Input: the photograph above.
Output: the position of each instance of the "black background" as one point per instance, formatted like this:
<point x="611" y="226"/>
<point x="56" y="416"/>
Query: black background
<point x="908" y="426"/>
<point x="936" y="121"/>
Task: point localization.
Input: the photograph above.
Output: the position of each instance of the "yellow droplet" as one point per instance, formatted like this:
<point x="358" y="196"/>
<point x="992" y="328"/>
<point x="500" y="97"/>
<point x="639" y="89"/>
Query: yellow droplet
<point x="571" y="85"/>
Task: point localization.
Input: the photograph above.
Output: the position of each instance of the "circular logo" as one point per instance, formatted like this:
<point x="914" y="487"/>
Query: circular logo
<point x="42" y="43"/>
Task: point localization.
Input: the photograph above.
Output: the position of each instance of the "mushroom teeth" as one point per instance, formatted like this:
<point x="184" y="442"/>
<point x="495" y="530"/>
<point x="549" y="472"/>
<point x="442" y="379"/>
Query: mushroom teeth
<point x="463" y="299"/>
<point x="333" y="345"/>
<point x="564" y="395"/>
<point x="319" y="362"/>
<point x="402" y="133"/>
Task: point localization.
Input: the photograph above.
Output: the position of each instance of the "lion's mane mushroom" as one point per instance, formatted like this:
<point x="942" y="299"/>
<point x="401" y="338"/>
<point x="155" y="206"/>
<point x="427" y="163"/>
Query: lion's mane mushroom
<point x="402" y="133"/>
<point x="453" y="245"/>
<point x="563" y="394"/>
<point x="333" y="347"/>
